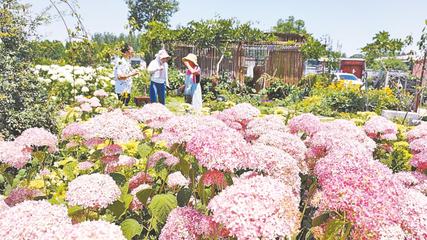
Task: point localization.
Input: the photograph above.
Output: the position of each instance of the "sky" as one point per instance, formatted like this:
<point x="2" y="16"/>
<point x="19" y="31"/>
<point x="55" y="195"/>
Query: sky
<point x="352" y="24"/>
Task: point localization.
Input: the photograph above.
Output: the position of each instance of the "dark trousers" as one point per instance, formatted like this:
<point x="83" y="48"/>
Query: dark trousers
<point x="157" y="89"/>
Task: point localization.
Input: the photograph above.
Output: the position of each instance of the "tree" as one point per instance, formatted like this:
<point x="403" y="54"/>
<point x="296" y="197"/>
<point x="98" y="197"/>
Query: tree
<point x="290" y="26"/>
<point x="142" y="12"/>
<point x="220" y="33"/>
<point x="23" y="102"/>
<point x="312" y="48"/>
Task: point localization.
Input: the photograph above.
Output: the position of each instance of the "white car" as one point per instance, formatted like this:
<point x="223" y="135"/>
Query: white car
<point x="348" y="78"/>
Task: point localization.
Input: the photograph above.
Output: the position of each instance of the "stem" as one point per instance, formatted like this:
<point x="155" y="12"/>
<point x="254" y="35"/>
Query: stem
<point x="149" y="229"/>
<point x="164" y="181"/>
<point x="212" y="191"/>
<point x="347" y="232"/>
<point x="305" y="205"/>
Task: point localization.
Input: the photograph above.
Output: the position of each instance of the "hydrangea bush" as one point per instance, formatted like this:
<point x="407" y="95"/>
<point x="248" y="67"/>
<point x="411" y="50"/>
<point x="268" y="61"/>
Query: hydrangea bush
<point x="150" y="174"/>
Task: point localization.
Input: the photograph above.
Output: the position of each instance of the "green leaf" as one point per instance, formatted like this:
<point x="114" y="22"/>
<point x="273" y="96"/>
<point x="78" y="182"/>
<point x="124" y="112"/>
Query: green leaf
<point x="184" y="165"/>
<point x="130" y="228"/>
<point x="31" y="174"/>
<point x="201" y="188"/>
<point x="3" y="167"/>
<point x="144" y="150"/>
<point x="69" y="168"/>
<point x="160" y="165"/>
<point x="332" y="228"/>
<point x="96" y="155"/>
<point x="75" y="210"/>
<point x="117" y="208"/>
<point x="39" y="155"/>
<point x="184" y="196"/>
<point x="161" y="205"/>
<point x="54" y="201"/>
<point x="128" y="199"/>
<point x="9" y="178"/>
<point x="144" y="194"/>
<point x="119" y="178"/>
<point x="228" y="178"/>
<point x="320" y="219"/>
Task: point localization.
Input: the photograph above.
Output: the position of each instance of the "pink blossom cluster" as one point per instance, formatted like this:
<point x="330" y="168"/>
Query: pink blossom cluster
<point x="154" y="115"/>
<point x="419" y="131"/>
<point x="380" y="128"/>
<point x="94" y="142"/>
<point x="85" y="107"/>
<point x="239" y="116"/>
<point x="412" y="180"/>
<point x="93" y="191"/>
<point x="100" y="93"/>
<point x="111" y="150"/>
<point x="136" y="205"/>
<point x="139" y="179"/>
<point x="413" y="208"/>
<point x="37" y="137"/>
<point x="287" y="142"/>
<point x="3" y="205"/>
<point x="220" y="148"/>
<point x="307" y="123"/>
<point x="113" y="125"/>
<point x="14" y="154"/>
<point x="276" y="163"/>
<point x="32" y="219"/>
<point x="85" y="165"/>
<point x="19" y="195"/>
<point x="124" y="161"/>
<point x="179" y="130"/>
<point x="419" y="148"/>
<point x="73" y="129"/>
<point x="187" y="223"/>
<point x="94" y="102"/>
<point x="214" y="177"/>
<point x="258" y="207"/>
<point x="177" y="179"/>
<point x="72" y="144"/>
<point x="264" y="125"/>
<point x="98" y="230"/>
<point x="170" y="159"/>
<point x="109" y="159"/>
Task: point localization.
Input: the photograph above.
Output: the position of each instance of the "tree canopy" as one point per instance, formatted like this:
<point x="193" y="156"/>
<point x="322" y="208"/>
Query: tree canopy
<point x="142" y="12"/>
<point x="290" y="25"/>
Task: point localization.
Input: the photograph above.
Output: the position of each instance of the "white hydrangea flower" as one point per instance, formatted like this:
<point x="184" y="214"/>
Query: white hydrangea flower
<point x="80" y="81"/>
<point x="85" y="89"/>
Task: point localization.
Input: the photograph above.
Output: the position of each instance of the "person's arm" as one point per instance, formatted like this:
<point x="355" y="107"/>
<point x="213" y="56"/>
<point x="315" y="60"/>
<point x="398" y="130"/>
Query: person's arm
<point x="123" y="76"/>
<point x="192" y="70"/>
<point x="154" y="67"/>
<point x="166" y="76"/>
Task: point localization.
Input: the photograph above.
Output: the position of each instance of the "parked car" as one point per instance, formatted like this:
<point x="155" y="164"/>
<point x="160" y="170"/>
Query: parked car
<point x="348" y="78"/>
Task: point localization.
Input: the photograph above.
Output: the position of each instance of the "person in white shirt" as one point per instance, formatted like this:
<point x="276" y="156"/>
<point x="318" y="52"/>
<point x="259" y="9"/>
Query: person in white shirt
<point x="123" y="74"/>
<point x="158" y="70"/>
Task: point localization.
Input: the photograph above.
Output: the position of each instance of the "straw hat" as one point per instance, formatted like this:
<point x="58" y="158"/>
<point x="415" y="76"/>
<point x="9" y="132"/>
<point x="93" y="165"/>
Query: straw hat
<point x="164" y="54"/>
<point x="191" y="57"/>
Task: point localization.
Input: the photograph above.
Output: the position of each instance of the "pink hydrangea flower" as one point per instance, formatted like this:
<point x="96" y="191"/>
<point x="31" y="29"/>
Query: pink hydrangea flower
<point x="73" y="129"/>
<point x="85" y="165"/>
<point x="154" y="115"/>
<point x="124" y="161"/>
<point x="94" y="102"/>
<point x="139" y="179"/>
<point x="263" y="125"/>
<point x="170" y="160"/>
<point x="419" y="161"/>
<point x="44" y="172"/>
<point x="19" y="195"/>
<point x="113" y="125"/>
<point x="71" y="144"/>
<point x="258" y="207"/>
<point x="86" y="107"/>
<point x="98" y="229"/>
<point x="220" y="148"/>
<point x="239" y="116"/>
<point x="3" y="205"/>
<point x="136" y="205"/>
<point x="419" y="131"/>
<point x="214" y="177"/>
<point x="380" y="128"/>
<point x="287" y="142"/>
<point x="93" y="191"/>
<point x="276" y="163"/>
<point x="418" y="145"/>
<point x="94" y="142"/>
<point x="83" y="100"/>
<point x="177" y="179"/>
<point x="111" y="150"/>
<point x="100" y="93"/>
<point x="14" y="154"/>
<point x="32" y="219"/>
<point x="187" y="223"/>
<point x="109" y="159"/>
<point x="307" y="123"/>
<point x="412" y="180"/>
<point x="37" y="137"/>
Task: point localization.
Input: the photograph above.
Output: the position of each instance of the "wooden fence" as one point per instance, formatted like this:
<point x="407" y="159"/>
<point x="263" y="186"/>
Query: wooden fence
<point x="272" y="58"/>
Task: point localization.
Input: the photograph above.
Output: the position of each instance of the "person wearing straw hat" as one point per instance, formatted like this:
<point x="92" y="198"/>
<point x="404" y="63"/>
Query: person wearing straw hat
<point x="158" y="70"/>
<point x="192" y="88"/>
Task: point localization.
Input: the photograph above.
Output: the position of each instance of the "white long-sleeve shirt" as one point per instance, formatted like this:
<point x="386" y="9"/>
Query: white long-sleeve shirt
<point x="158" y="75"/>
